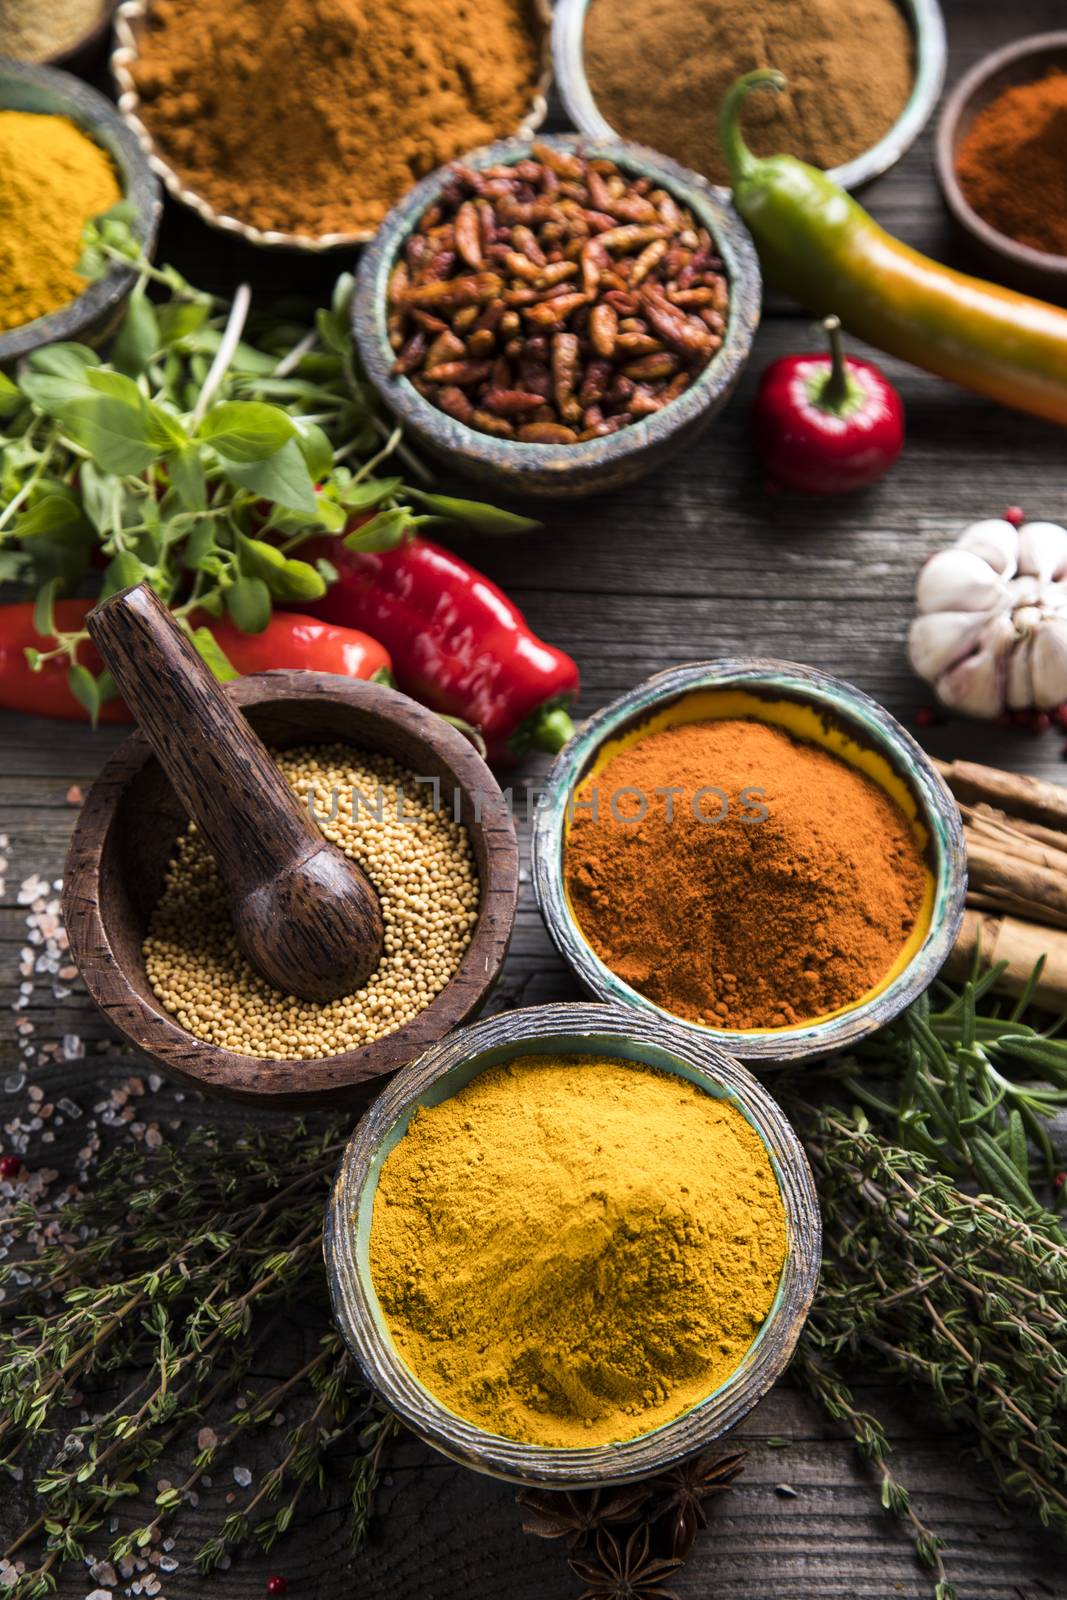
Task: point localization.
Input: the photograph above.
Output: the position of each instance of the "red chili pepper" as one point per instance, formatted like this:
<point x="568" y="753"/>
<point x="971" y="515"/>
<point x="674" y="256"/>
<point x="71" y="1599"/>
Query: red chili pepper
<point x="825" y="424"/>
<point x="288" y="640"/>
<point x="458" y="643"/>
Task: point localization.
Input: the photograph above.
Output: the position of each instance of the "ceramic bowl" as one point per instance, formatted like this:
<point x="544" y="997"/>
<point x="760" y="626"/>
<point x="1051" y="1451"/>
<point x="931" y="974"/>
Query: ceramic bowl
<point x="129" y="23"/>
<point x="1035" y="271"/>
<point x="82" y="54"/>
<point x="928" y="32"/>
<point x="812" y="706"/>
<point x="559" y="471"/>
<point x="124" y="839"/>
<point x="570" y="1030"/>
<point x="96" y="313"/>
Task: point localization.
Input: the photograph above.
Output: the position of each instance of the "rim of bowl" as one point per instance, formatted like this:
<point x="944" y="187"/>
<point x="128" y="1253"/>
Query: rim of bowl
<point x="88" y="109"/>
<point x="735" y="247"/>
<point x="945" y="151"/>
<point x="578" y="1029"/>
<point x="132" y="12"/>
<point x="293" y="1081"/>
<point x="939" y="814"/>
<point x="927" y="25"/>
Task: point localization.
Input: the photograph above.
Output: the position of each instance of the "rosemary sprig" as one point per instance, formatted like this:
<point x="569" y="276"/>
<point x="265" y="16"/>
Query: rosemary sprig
<point x="169" y="1277"/>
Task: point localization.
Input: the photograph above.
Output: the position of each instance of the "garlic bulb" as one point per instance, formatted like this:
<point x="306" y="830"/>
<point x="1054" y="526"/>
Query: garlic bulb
<point x="991" y="634"/>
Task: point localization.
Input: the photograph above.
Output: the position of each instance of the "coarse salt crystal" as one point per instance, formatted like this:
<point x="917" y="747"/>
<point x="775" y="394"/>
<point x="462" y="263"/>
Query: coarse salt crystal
<point x="242" y="1477"/>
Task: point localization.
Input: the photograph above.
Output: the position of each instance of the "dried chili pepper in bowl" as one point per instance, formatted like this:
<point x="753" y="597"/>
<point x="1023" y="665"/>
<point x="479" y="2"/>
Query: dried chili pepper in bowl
<point x="557" y="318"/>
<point x="456" y="641"/>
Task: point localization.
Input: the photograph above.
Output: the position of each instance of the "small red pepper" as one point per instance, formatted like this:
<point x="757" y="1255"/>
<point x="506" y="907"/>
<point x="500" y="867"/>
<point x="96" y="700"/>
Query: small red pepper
<point x="288" y="640"/>
<point x="825" y="424"/>
<point x="458" y="643"/>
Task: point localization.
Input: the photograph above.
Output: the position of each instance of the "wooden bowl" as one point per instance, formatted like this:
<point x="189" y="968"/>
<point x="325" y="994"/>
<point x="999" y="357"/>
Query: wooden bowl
<point x="82" y="54"/>
<point x="568" y="1030"/>
<point x="808" y="705"/>
<point x="129" y="23"/>
<point x="924" y="18"/>
<point x="557" y="471"/>
<point x="125" y="837"/>
<point x="1034" y="271"/>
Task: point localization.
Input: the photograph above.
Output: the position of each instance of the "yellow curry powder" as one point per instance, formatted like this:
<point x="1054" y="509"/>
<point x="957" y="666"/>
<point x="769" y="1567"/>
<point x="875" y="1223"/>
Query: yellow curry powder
<point x="575" y="1251"/>
<point x="53" y="178"/>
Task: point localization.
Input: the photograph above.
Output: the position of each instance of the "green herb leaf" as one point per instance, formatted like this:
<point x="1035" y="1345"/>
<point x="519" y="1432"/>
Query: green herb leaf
<point x="286" y="579"/>
<point x="370" y="492"/>
<point x="185" y="469"/>
<point x="10" y="396"/>
<point x="283" y="478"/>
<point x="63" y="360"/>
<point x="164" y="429"/>
<point x="44" y="621"/>
<point x="214" y="655"/>
<point x="248" y="603"/>
<point x="383" y="532"/>
<point x="179" y="320"/>
<point x="83" y="687"/>
<point x="122" y="572"/>
<point x="138" y="339"/>
<point x="51" y="512"/>
<point x="316" y="449"/>
<point x="478" y="516"/>
<point x="113" y="431"/>
<point x="247" y="430"/>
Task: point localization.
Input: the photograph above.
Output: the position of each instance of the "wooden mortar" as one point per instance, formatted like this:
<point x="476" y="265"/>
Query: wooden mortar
<point x="125" y="837"/>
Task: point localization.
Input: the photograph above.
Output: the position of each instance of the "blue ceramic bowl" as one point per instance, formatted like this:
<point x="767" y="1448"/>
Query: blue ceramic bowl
<point x="97" y="312"/>
<point x="570" y="1030"/>
<point x="561" y="471"/>
<point x="812" y="706"/>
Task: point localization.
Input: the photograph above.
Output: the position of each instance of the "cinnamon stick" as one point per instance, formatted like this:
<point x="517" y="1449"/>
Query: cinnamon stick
<point x="1033" y="799"/>
<point x="993" y="869"/>
<point x="1055" y="837"/>
<point x="1008" y="836"/>
<point x="1018" y="943"/>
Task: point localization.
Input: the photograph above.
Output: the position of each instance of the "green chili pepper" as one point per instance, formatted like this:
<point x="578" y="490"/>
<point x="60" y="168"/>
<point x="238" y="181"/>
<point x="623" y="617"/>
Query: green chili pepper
<point x="818" y="245"/>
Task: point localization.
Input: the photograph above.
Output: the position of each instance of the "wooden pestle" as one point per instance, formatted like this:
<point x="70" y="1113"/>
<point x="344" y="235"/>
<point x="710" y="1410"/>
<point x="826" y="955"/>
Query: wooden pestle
<point x="306" y="917"/>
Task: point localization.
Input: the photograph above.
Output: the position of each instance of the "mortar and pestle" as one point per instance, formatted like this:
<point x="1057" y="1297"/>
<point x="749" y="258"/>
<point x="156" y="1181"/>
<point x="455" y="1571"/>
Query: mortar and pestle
<point x="305" y="916"/>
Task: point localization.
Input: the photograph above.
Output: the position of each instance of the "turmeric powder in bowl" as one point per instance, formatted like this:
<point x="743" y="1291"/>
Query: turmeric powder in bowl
<point x="742" y="878"/>
<point x="574" y="1251"/>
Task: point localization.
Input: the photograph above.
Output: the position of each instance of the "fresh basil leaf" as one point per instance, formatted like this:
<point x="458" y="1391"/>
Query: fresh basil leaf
<point x="200" y="545"/>
<point x="371" y="492"/>
<point x="211" y="652"/>
<point x="99" y="500"/>
<point x="326" y="570"/>
<point x="44" y="621"/>
<point x="114" y="433"/>
<point x="116" y="385"/>
<point x="383" y="532"/>
<point x="330" y="514"/>
<point x="178" y="320"/>
<point x="84" y="688"/>
<point x="106" y="686"/>
<point x="185" y="469"/>
<point x="50" y="393"/>
<point x="10" y="396"/>
<point x="138" y="339"/>
<point x="257" y="558"/>
<point x="299" y="580"/>
<point x="164" y="430"/>
<point x="478" y="516"/>
<point x="248" y="603"/>
<point x="122" y="572"/>
<point x="343" y="290"/>
<point x="283" y="478"/>
<point x="246" y="430"/>
<point x="63" y="360"/>
<point x="46" y="515"/>
<point x="316" y="449"/>
<point x="286" y="579"/>
<point x="332" y="329"/>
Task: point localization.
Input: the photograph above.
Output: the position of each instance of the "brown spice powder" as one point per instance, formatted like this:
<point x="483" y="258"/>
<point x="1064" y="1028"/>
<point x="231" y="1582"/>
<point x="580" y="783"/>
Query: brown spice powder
<point x="314" y="116"/>
<point x="743" y="924"/>
<point x="659" y="69"/>
<point x="1012" y="163"/>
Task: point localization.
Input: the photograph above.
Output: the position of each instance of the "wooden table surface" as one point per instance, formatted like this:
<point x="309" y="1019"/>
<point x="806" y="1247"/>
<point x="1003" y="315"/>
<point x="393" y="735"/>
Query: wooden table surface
<point x="695" y="561"/>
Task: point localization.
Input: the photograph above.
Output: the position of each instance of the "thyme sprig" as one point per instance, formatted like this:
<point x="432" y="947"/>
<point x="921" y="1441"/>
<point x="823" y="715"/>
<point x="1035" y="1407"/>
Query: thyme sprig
<point x="134" y="1344"/>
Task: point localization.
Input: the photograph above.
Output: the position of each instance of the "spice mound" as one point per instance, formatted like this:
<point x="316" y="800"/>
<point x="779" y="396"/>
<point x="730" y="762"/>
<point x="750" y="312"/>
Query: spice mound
<point x="34" y="30"/>
<point x="555" y="300"/>
<point x="573" y="1251"/>
<point x="766" y="883"/>
<point x="314" y="116"/>
<point x="659" y="70"/>
<point x="53" y="179"/>
<point x="418" y="859"/>
<point x="1012" y="163"/>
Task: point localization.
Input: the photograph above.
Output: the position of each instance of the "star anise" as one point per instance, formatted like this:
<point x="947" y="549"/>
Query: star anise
<point x="577" y="1516"/>
<point x="681" y="1495"/>
<point x="625" y="1572"/>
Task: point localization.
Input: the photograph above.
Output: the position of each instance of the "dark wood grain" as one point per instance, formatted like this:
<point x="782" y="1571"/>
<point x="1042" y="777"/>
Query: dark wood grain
<point x="695" y="561"/>
<point x="125" y="836"/>
<point x="308" y="919"/>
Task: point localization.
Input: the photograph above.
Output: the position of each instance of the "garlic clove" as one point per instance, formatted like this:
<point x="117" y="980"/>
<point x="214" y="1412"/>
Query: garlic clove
<point x="995" y="541"/>
<point x="1019" y="685"/>
<point x="1043" y="550"/>
<point x="975" y="685"/>
<point x="941" y="638"/>
<point x="1050" y="665"/>
<point x="957" y="580"/>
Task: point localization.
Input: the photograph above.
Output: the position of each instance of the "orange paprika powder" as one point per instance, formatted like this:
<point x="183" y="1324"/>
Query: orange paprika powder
<point x="742" y="878"/>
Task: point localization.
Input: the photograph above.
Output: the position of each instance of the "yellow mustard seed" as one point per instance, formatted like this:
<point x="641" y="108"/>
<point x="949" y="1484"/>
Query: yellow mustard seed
<point x="418" y="858"/>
